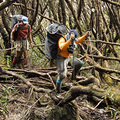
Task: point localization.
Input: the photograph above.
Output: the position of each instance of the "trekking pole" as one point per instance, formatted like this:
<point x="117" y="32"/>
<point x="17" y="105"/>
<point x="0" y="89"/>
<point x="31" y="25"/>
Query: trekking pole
<point x="9" y="58"/>
<point x="73" y="61"/>
<point x="11" y="54"/>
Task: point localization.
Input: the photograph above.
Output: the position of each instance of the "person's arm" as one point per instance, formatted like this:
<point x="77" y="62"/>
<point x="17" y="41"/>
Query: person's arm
<point x="64" y="45"/>
<point x="31" y="41"/>
<point x="81" y="39"/>
<point x="30" y="37"/>
<point x="12" y="34"/>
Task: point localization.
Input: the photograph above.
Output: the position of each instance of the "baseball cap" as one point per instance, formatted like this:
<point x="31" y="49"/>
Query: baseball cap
<point x="75" y="32"/>
<point x="25" y="20"/>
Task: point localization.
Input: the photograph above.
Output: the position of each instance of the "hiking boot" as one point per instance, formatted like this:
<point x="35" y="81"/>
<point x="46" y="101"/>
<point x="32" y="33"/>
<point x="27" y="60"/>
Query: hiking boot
<point x="25" y="62"/>
<point x="20" y="66"/>
<point x="13" y="66"/>
<point x="69" y="84"/>
<point x="15" y="63"/>
<point x="58" y="95"/>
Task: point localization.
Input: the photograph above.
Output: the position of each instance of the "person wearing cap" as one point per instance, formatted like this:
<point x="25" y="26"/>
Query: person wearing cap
<point x="64" y="57"/>
<point x="21" y="43"/>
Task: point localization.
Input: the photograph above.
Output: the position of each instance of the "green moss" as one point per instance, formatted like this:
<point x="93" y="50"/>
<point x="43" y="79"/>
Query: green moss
<point x="107" y="79"/>
<point x="67" y="112"/>
<point x="113" y="93"/>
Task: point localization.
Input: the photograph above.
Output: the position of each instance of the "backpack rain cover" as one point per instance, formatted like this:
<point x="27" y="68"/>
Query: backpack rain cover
<point x="54" y="32"/>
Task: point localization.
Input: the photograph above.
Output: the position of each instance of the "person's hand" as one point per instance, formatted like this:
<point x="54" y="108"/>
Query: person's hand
<point x="72" y="36"/>
<point x="88" y="33"/>
<point x="31" y="44"/>
<point x="12" y="42"/>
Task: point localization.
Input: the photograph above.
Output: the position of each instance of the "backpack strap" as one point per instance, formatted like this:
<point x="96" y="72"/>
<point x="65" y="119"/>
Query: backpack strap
<point x="28" y="28"/>
<point x="18" y="25"/>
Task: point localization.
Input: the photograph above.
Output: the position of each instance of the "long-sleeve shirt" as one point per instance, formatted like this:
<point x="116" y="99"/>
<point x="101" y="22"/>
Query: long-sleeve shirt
<point x="63" y="45"/>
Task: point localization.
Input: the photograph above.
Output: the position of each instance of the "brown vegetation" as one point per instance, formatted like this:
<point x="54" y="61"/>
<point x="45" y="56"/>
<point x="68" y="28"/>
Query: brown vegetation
<point x="30" y="93"/>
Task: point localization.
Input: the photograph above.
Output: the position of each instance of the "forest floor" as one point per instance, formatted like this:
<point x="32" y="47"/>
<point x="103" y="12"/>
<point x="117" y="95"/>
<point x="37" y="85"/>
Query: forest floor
<point x="18" y="101"/>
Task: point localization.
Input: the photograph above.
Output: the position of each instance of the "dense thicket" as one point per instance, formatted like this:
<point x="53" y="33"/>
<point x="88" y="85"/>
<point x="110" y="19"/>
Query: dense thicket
<point x="100" y="51"/>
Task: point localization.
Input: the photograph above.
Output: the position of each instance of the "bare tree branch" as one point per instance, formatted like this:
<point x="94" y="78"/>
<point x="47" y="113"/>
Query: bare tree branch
<point x="112" y="2"/>
<point x="6" y="4"/>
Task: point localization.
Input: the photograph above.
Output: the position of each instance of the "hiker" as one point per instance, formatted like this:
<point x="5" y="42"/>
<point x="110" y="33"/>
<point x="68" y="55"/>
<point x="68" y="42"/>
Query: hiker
<point x="21" y="42"/>
<point x="64" y="57"/>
